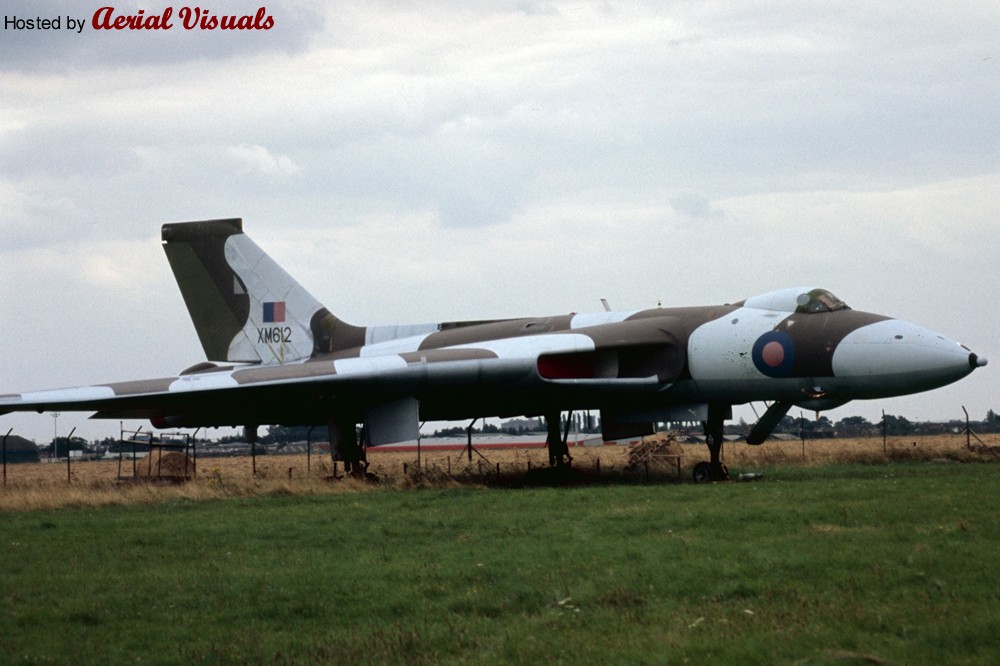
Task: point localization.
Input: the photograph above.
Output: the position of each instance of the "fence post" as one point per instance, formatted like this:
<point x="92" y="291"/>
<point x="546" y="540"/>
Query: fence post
<point x="5" y="456"/>
<point x="69" y="476"/>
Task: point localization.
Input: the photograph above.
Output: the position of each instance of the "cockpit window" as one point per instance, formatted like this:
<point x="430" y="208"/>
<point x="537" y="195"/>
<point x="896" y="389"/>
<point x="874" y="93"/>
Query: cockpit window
<point x="819" y="300"/>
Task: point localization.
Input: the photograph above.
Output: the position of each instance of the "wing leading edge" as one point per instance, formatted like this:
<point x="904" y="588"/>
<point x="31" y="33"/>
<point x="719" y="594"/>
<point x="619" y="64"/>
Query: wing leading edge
<point x="510" y="376"/>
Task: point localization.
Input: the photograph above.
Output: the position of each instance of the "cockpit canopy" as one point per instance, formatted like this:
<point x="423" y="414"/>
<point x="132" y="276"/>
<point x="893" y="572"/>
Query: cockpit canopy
<point x="818" y="300"/>
<point x="802" y="300"/>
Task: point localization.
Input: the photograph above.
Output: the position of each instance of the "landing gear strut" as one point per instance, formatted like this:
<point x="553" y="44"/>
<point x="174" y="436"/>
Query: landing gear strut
<point x="558" y="450"/>
<point x="344" y="446"/>
<point x="715" y="469"/>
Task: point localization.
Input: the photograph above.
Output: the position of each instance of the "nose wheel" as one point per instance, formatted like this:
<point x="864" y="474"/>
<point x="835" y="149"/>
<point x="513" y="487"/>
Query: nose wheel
<point x="706" y="472"/>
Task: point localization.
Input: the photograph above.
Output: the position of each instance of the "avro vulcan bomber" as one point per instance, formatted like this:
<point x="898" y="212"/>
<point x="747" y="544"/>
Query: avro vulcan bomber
<point x="276" y="355"/>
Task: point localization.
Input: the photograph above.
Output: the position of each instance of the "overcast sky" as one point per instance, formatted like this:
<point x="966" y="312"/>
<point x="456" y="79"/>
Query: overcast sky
<point x="427" y="161"/>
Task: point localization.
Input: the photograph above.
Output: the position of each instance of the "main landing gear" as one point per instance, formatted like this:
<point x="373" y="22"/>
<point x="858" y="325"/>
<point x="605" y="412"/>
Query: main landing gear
<point x="714" y="469"/>
<point x="344" y="446"/>
<point x="558" y="449"/>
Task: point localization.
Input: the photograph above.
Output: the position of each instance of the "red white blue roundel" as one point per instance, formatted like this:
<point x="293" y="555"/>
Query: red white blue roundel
<point x="773" y="354"/>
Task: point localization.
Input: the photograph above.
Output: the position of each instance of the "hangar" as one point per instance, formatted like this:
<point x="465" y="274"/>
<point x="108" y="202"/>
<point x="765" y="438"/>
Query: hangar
<point x="19" y="450"/>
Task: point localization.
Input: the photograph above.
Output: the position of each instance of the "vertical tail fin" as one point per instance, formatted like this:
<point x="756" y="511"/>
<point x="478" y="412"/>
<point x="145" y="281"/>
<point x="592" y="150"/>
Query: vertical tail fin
<point x="244" y="306"/>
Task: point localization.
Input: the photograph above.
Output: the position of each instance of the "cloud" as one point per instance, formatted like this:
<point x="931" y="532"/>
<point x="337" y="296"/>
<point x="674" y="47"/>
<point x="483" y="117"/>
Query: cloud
<point x="695" y="205"/>
<point x="259" y="160"/>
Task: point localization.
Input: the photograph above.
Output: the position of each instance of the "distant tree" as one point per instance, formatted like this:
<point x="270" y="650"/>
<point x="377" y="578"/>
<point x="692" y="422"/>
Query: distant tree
<point x="929" y="428"/>
<point x="789" y="425"/>
<point x="289" y="434"/>
<point x="898" y="425"/>
<point x="854" y="426"/>
<point x="74" y="444"/>
<point x="992" y="422"/>
<point x="452" y="432"/>
<point x="740" y="428"/>
<point x="818" y="428"/>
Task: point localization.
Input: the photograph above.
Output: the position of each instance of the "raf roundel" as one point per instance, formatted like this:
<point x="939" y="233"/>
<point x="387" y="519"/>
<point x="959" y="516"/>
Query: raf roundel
<point x="773" y="354"/>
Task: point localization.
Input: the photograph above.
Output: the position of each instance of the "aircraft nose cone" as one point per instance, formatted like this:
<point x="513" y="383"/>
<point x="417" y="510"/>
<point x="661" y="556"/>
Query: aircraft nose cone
<point x="893" y="356"/>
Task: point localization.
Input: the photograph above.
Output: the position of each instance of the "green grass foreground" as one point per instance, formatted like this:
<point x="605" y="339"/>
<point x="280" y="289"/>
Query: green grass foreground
<point x="838" y="565"/>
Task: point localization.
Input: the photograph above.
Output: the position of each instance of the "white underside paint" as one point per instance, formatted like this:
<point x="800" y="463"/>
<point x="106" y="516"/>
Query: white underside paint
<point x="371" y="365"/>
<point x="532" y="346"/>
<point x="586" y="319"/>
<point x="894" y="347"/>
<point x="205" y="382"/>
<point x="394" y="346"/>
<point x="377" y="335"/>
<point x="721" y="349"/>
<point x="80" y="394"/>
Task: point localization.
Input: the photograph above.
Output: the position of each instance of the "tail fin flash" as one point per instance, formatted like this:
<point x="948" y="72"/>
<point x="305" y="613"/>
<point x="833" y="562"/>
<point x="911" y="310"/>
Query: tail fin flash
<point x="245" y="307"/>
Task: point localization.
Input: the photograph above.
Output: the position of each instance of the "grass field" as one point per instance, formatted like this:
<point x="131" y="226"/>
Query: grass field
<point x="840" y="563"/>
<point x="39" y="486"/>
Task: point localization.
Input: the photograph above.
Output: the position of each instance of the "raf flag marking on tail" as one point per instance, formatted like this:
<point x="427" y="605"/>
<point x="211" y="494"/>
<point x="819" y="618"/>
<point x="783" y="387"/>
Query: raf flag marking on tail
<point x="274" y="312"/>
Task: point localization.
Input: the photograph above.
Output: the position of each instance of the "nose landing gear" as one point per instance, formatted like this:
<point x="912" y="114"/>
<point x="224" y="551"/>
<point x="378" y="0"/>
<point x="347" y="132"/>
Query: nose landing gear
<point x="714" y="469"/>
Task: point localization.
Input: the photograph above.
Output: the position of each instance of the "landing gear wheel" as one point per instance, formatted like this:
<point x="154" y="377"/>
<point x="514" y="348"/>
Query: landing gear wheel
<point x="702" y="472"/>
<point x="705" y="472"/>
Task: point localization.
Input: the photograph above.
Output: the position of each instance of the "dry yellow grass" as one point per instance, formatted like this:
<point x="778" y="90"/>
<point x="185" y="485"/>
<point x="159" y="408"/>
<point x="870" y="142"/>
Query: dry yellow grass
<point x="96" y="483"/>
<point x="864" y="450"/>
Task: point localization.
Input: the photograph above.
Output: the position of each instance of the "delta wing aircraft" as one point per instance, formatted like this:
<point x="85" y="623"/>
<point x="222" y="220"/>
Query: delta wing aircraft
<point x="286" y="359"/>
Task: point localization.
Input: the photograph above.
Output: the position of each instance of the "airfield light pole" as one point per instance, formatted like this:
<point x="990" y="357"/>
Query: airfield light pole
<point x="55" y="433"/>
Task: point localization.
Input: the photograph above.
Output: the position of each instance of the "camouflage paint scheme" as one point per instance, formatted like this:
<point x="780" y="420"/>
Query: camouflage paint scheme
<point x="299" y="364"/>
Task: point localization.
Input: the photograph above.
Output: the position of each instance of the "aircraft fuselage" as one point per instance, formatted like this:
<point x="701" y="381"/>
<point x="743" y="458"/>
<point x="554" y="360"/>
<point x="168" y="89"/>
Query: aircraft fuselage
<point x="292" y="362"/>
